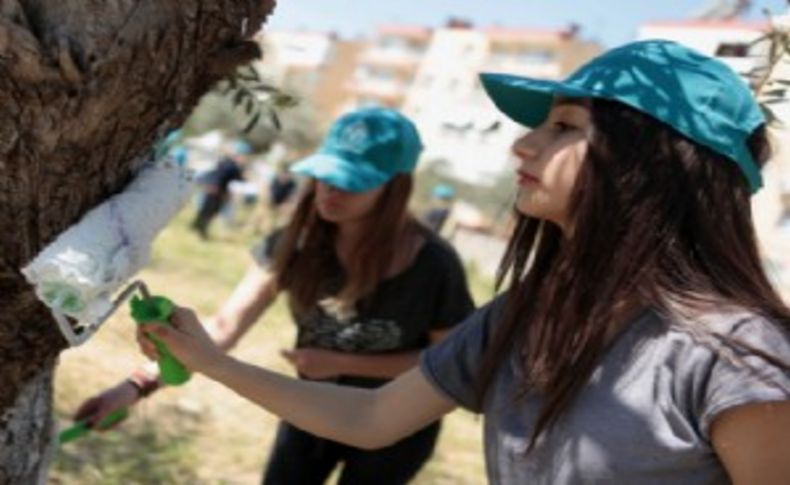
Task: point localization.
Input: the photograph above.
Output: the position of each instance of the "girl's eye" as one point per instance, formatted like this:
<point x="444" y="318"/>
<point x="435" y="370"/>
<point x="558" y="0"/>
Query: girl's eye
<point x="561" y="126"/>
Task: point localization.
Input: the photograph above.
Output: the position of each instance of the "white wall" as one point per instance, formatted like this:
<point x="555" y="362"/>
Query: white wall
<point x="455" y="117"/>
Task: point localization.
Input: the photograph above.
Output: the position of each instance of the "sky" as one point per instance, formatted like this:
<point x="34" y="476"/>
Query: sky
<point x="610" y="22"/>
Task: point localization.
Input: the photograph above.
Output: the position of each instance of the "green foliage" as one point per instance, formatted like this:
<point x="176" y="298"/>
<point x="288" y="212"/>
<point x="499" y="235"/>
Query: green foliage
<point x="247" y="107"/>
<point x="768" y="89"/>
<point x="481" y="286"/>
<point x="143" y="455"/>
<point x="258" y="98"/>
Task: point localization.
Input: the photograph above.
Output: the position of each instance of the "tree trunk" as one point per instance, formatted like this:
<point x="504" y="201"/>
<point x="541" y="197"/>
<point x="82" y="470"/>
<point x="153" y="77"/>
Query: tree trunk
<point x="86" y="89"/>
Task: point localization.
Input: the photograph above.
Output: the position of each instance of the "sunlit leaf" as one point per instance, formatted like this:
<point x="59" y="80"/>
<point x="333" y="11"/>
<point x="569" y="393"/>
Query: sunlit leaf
<point x="252" y="122"/>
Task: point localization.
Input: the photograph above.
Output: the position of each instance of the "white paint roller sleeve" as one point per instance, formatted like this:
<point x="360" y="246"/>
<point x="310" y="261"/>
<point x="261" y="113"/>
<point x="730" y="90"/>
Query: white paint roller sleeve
<point x="78" y="272"/>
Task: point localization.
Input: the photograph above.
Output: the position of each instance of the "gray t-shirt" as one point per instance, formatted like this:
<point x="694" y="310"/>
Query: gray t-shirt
<point x="643" y="417"/>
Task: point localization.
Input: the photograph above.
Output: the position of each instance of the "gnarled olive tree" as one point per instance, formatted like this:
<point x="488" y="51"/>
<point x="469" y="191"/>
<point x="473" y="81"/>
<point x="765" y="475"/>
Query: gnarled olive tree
<point x="86" y="89"/>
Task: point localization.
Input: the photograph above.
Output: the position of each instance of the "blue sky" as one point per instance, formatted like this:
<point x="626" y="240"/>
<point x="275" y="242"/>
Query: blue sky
<point x="611" y="22"/>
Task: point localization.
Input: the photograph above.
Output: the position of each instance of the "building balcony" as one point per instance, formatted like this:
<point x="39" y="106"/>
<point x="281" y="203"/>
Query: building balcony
<point x="542" y="70"/>
<point x="396" y="58"/>
<point x="390" y="90"/>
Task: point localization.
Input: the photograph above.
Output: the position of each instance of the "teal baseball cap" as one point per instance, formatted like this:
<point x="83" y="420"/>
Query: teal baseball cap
<point x="241" y="147"/>
<point x="363" y="150"/>
<point x="699" y="96"/>
<point x="443" y="191"/>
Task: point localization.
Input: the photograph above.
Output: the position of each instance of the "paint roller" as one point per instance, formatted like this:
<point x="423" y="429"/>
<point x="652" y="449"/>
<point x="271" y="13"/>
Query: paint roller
<point x="78" y="273"/>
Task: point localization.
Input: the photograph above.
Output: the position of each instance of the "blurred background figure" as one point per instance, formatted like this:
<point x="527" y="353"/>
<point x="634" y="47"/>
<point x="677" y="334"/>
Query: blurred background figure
<point x="215" y="186"/>
<point x="442" y="197"/>
<point x="274" y="204"/>
<point x="180" y="155"/>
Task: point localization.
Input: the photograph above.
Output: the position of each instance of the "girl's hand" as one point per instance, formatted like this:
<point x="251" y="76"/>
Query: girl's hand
<point x="95" y="409"/>
<point x="314" y="363"/>
<point x="186" y="339"/>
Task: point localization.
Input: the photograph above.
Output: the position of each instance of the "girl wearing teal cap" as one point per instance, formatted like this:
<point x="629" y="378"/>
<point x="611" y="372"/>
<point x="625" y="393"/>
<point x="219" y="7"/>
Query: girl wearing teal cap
<point x="637" y="338"/>
<point x="359" y="272"/>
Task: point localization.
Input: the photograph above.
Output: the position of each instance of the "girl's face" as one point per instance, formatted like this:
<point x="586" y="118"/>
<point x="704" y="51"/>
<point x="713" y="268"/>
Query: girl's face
<point x="549" y="159"/>
<point x="338" y="206"/>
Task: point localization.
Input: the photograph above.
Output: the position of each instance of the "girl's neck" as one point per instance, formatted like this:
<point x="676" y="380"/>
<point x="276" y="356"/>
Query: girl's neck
<point x="349" y="233"/>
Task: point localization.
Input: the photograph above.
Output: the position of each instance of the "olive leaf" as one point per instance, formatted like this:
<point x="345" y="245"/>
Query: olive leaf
<point x="257" y="97"/>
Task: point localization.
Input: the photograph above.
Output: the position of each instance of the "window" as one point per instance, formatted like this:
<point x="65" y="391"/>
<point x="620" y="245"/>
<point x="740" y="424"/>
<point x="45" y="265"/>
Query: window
<point x="395" y="43"/>
<point x="382" y="74"/>
<point x="368" y="102"/>
<point x="732" y="50"/>
<point x="535" y="56"/>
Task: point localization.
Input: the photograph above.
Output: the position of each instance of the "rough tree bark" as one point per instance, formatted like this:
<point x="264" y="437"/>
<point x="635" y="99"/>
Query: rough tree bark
<point x="86" y="88"/>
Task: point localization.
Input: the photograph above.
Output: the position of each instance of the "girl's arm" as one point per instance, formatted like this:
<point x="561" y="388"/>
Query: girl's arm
<point x="359" y="417"/>
<point x="254" y="293"/>
<point x="249" y="300"/>
<point x="752" y="442"/>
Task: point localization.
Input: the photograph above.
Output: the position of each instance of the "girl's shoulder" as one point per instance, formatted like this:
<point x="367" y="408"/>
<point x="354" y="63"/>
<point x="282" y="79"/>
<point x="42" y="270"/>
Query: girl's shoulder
<point x="732" y="325"/>
<point x="729" y="358"/>
<point x="437" y="251"/>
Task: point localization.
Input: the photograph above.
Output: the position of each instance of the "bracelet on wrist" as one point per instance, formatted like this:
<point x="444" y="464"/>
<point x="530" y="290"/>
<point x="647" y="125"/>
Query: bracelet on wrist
<point x="144" y="384"/>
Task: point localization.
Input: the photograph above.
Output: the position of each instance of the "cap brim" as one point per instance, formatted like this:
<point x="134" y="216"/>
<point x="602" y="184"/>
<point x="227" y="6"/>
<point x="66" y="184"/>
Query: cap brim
<point x="337" y="172"/>
<point x="526" y="101"/>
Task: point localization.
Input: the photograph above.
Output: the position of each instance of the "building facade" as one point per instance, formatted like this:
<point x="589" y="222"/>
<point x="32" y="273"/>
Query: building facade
<point x="317" y="67"/>
<point x="460" y="126"/>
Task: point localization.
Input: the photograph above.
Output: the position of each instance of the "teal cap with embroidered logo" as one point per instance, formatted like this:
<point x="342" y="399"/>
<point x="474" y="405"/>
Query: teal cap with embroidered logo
<point x="699" y="96"/>
<point x="363" y="150"/>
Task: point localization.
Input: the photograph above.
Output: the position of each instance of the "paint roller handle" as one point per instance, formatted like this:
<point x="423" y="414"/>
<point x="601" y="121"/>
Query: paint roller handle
<point x="159" y="309"/>
<point x="81" y="428"/>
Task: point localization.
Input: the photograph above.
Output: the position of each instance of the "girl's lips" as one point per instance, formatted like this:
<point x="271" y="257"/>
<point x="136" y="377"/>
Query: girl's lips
<point x="525" y="178"/>
<point x="332" y="204"/>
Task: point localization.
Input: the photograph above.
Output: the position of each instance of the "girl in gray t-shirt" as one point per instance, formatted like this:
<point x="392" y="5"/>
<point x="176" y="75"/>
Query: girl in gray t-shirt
<point x="638" y="339"/>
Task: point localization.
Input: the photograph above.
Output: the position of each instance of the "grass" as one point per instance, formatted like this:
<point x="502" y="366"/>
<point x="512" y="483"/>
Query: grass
<point x="202" y="433"/>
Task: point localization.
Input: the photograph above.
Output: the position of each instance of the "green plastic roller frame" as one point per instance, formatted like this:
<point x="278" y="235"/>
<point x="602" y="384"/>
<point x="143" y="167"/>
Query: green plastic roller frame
<point x="158" y="309"/>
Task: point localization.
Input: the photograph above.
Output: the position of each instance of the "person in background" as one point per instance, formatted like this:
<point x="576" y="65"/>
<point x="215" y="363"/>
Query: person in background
<point x="275" y="202"/>
<point x="282" y="189"/>
<point x="436" y="217"/>
<point x="215" y="185"/>
<point x="368" y="287"/>
<point x="180" y="155"/>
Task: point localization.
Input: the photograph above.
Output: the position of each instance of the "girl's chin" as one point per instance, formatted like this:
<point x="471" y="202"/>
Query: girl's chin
<point x="331" y="215"/>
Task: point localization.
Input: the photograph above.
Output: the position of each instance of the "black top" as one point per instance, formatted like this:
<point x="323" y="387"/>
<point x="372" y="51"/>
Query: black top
<point x="281" y="190"/>
<point x="226" y="171"/>
<point x="430" y="294"/>
<point x="436" y="217"/>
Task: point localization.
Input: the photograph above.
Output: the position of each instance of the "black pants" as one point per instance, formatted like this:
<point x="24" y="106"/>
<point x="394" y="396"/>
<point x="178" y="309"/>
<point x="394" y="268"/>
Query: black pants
<point x="300" y="458"/>
<point x="209" y="208"/>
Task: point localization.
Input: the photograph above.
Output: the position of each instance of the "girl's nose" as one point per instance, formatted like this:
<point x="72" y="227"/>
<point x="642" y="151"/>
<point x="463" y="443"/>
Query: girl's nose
<point x="526" y="148"/>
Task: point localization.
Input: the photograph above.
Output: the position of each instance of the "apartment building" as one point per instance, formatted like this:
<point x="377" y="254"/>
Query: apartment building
<point x="460" y="126"/>
<point x="430" y="74"/>
<point x="315" y="66"/>
<point x="388" y="65"/>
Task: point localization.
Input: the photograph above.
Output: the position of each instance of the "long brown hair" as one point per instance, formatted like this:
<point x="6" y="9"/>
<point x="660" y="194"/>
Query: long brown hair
<point x="305" y="261"/>
<point x="655" y="219"/>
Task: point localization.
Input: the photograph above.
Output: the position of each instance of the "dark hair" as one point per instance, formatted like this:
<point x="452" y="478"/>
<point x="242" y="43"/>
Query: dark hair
<point x="305" y="260"/>
<point x="664" y="220"/>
